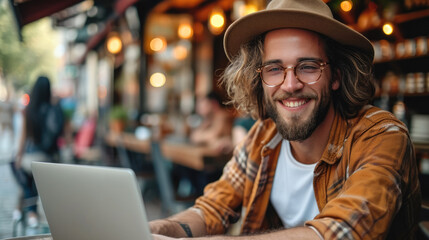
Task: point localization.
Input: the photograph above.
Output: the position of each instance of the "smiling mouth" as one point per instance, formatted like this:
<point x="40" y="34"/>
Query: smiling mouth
<point x="295" y="103"/>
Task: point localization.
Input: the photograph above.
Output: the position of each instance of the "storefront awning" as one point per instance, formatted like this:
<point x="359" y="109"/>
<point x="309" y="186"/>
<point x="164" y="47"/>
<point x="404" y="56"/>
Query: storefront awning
<point x="27" y="11"/>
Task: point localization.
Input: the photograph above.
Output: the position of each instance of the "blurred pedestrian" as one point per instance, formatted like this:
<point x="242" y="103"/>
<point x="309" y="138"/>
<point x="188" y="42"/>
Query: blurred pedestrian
<point x="41" y="126"/>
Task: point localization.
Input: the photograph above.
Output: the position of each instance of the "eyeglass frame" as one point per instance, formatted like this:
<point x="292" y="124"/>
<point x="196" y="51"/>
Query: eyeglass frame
<point x="322" y="66"/>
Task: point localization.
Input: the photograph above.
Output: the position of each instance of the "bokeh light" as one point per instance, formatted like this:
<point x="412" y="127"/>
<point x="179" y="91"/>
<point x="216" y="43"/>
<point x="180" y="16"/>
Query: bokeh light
<point x="157" y="79"/>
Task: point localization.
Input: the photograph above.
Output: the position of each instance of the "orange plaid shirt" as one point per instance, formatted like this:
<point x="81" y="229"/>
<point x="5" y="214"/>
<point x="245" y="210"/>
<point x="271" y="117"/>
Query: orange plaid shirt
<point x="366" y="182"/>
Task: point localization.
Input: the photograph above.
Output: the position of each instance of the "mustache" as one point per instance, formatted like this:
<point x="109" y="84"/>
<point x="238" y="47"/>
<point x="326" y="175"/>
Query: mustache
<point x="284" y="95"/>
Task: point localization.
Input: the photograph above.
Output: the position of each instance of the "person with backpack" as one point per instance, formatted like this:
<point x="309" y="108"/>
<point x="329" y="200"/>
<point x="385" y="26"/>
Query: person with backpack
<point x="42" y="125"/>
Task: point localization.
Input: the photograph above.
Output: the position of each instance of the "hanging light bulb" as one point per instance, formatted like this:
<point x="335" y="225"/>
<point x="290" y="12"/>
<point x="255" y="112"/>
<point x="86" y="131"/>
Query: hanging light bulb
<point x="114" y="44"/>
<point x="157" y="79"/>
<point x="158" y="44"/>
<point x="185" y="31"/>
<point x="346" y="5"/>
<point x="217" y="21"/>
<point x="388" y="28"/>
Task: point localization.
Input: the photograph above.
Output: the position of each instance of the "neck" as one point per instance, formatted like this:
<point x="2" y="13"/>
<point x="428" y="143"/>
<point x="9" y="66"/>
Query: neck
<point x="311" y="149"/>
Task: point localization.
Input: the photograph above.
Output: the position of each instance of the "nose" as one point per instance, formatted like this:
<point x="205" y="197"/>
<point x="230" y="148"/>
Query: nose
<point x="291" y="83"/>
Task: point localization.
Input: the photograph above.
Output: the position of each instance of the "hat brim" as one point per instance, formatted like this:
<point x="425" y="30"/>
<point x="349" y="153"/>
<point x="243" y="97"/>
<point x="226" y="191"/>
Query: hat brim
<point x="245" y="29"/>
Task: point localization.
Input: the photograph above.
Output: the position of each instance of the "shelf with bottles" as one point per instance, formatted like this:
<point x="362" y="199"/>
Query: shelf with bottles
<point x="407" y="97"/>
<point x="416" y="49"/>
<point x="406" y="49"/>
<point x="411" y="84"/>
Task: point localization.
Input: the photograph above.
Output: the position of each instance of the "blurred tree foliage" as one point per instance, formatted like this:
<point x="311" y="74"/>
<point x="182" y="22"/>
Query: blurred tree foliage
<point x="22" y="61"/>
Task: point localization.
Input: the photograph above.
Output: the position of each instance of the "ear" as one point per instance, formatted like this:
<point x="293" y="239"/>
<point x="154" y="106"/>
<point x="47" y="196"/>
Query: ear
<point x="336" y="80"/>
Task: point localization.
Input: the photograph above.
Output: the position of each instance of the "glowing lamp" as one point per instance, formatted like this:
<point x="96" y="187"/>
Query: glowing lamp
<point x="157" y="79"/>
<point x="114" y="44"/>
<point x="185" y="31"/>
<point x="158" y="44"/>
<point x="346" y="5"/>
<point x="388" y="28"/>
<point x="217" y="21"/>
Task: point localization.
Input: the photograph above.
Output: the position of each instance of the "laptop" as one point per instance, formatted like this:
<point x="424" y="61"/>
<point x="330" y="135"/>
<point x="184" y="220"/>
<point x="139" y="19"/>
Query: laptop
<point x="91" y="202"/>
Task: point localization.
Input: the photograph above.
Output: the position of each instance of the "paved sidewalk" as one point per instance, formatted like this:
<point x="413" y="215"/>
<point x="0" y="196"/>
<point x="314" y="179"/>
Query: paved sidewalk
<point x="9" y="190"/>
<point x="8" y="198"/>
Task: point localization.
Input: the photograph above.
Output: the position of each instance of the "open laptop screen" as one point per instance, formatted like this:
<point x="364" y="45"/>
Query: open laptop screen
<point x="88" y="202"/>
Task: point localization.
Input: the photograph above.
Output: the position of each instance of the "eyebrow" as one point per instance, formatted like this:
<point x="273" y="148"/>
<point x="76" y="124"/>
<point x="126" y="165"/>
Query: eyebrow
<point x="278" y="61"/>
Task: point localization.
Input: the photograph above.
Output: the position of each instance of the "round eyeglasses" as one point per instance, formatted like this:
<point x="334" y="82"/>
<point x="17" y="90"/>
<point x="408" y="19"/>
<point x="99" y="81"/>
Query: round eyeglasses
<point x="309" y="72"/>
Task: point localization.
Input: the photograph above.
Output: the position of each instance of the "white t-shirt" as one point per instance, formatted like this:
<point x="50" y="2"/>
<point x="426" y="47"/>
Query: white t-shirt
<point x="292" y="195"/>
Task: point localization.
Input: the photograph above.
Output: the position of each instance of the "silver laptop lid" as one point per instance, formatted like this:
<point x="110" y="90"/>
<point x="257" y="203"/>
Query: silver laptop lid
<point x="88" y="202"/>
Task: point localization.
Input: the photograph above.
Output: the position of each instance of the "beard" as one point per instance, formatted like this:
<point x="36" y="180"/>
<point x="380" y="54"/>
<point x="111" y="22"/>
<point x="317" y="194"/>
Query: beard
<point x="298" y="129"/>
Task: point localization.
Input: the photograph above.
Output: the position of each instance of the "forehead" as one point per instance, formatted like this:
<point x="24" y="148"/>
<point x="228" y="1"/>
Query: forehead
<point x="292" y="42"/>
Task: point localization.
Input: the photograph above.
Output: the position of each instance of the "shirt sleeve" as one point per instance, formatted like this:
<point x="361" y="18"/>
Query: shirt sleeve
<point x="222" y="199"/>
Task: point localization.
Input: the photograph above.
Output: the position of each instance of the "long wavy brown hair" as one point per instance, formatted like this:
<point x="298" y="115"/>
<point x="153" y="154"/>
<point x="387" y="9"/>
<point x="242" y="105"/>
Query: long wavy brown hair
<point x="353" y="67"/>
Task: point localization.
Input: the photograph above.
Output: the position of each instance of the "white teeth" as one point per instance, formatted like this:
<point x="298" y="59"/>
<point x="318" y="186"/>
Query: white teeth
<point x="294" y="104"/>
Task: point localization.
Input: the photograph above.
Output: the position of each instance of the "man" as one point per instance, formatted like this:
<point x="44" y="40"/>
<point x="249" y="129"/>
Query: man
<point x="320" y="163"/>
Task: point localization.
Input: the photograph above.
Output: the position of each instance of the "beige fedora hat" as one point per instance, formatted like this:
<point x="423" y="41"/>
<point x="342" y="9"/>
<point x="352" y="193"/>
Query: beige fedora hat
<point x="313" y="15"/>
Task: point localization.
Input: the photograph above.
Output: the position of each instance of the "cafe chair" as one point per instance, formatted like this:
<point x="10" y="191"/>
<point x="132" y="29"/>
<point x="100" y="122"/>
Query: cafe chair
<point x="137" y="162"/>
<point x="170" y="204"/>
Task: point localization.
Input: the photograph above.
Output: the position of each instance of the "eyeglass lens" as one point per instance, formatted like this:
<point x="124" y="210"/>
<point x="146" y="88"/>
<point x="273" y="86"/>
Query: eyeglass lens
<point x="306" y="71"/>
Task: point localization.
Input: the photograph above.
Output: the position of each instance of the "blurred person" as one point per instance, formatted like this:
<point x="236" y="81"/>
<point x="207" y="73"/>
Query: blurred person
<point x="214" y="131"/>
<point x="215" y="128"/>
<point x="242" y="125"/>
<point x="320" y="162"/>
<point x="42" y="124"/>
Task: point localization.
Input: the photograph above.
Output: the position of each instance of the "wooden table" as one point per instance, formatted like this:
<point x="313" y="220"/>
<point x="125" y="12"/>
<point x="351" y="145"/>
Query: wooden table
<point x="193" y="156"/>
<point x="128" y="141"/>
<point x="200" y="158"/>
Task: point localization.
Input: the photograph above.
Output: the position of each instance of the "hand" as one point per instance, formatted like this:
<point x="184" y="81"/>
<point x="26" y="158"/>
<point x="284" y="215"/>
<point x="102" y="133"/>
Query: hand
<point x="166" y="228"/>
<point x="181" y="225"/>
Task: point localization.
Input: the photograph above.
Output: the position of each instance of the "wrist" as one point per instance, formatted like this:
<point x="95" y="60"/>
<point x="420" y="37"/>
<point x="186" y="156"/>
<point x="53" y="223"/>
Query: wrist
<point x="184" y="228"/>
<point x="167" y="227"/>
